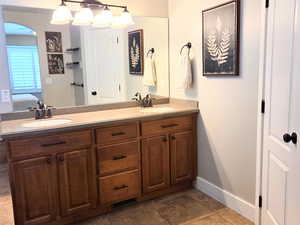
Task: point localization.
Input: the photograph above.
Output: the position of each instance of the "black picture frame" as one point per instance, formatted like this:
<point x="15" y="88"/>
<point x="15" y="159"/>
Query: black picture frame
<point x="221" y="39"/>
<point x="136" y="52"/>
<point x="54" y="42"/>
<point x="56" y="64"/>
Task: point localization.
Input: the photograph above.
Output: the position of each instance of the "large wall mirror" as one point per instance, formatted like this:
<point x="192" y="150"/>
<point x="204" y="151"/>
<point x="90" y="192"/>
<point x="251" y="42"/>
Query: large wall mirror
<point x="67" y="65"/>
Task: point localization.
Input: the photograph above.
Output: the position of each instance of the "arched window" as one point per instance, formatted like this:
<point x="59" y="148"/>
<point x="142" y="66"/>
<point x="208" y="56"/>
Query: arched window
<point x="23" y="59"/>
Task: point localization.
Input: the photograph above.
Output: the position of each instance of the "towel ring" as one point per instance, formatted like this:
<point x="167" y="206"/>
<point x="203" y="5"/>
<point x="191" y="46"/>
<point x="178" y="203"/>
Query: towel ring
<point x="188" y="45"/>
<point x="152" y="50"/>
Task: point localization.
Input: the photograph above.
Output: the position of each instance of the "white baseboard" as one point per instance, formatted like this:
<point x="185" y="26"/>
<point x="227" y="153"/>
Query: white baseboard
<point x="231" y="201"/>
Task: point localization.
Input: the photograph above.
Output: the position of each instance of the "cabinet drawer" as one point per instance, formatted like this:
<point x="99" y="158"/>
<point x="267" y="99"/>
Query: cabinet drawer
<point x="118" y="158"/>
<point x="114" y="134"/>
<point x="120" y="187"/>
<point x="49" y="144"/>
<point x="167" y="125"/>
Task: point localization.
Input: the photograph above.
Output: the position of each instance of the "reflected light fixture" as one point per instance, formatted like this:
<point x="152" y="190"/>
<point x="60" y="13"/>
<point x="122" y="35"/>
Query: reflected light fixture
<point x="126" y="18"/>
<point x="104" y="18"/>
<point x="62" y="15"/>
<point x="85" y="17"/>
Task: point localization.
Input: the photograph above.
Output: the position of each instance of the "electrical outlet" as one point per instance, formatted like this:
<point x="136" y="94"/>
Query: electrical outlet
<point x="5" y="96"/>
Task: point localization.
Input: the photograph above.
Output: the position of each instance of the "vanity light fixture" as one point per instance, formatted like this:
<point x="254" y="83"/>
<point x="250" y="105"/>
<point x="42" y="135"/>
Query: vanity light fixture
<point x="104" y="18"/>
<point x="126" y="18"/>
<point x="85" y="17"/>
<point x="62" y="15"/>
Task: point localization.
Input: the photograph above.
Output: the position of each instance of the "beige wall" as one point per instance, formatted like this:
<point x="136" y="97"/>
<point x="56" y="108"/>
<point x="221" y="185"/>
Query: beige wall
<point x="228" y="105"/>
<point x="4" y="78"/>
<point x="137" y="7"/>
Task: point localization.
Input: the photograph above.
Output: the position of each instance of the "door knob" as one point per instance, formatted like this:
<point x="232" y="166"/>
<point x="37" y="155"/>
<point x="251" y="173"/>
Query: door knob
<point x="290" y="138"/>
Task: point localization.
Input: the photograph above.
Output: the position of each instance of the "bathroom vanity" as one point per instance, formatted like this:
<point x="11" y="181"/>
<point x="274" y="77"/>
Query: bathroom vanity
<point x="68" y="173"/>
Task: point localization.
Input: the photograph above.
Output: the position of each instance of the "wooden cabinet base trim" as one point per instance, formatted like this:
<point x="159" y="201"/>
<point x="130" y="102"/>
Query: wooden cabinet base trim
<point x="170" y="190"/>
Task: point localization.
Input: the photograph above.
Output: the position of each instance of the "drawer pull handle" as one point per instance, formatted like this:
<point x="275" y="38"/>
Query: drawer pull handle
<point x="118" y="134"/>
<point x="49" y="161"/>
<point x="119" y="157"/>
<point x="169" y="125"/>
<point x="53" y="144"/>
<point x="121" y="187"/>
<point x="61" y="158"/>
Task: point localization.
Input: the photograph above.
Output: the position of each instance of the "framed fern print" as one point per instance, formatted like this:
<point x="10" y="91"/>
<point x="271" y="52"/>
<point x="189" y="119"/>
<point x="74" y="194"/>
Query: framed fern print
<point x="221" y="39"/>
<point x="136" y="52"/>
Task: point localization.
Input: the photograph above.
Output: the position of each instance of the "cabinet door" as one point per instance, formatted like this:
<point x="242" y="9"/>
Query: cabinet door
<point x="34" y="191"/>
<point x="76" y="186"/>
<point x="156" y="165"/>
<point x="181" y="157"/>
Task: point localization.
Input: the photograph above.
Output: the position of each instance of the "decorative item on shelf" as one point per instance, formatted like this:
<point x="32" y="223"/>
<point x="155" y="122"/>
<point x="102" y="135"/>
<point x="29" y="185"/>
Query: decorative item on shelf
<point x="86" y="17"/>
<point x="56" y="64"/>
<point x="77" y="84"/>
<point x="72" y="64"/>
<point x="221" y="27"/>
<point x="72" y="50"/>
<point x="151" y="51"/>
<point x="53" y="42"/>
<point x="136" y="52"/>
<point x="188" y="45"/>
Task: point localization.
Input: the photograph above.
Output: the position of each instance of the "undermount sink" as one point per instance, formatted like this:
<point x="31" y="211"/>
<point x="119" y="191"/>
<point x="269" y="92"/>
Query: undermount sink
<point x="157" y="110"/>
<point x="46" y="123"/>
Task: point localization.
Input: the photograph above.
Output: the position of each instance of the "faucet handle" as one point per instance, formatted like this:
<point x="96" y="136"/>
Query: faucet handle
<point x="40" y="104"/>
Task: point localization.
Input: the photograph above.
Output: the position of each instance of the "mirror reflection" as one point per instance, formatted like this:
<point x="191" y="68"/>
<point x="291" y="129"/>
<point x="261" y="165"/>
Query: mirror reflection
<point x="67" y="65"/>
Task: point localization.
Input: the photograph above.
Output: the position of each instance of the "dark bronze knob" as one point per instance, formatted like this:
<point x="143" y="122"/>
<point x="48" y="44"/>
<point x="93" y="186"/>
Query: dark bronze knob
<point x="61" y="158"/>
<point x="49" y="161"/>
<point x="290" y="138"/>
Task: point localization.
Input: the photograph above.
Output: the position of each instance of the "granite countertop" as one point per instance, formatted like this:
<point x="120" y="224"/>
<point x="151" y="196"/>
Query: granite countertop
<point x="14" y="128"/>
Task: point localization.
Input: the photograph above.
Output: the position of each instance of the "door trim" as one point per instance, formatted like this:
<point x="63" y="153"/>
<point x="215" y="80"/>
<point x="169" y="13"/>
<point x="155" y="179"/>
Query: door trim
<point x="260" y="117"/>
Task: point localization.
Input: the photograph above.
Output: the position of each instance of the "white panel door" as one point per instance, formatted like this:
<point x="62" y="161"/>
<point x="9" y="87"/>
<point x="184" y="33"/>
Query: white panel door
<point x="103" y="65"/>
<point x="281" y="156"/>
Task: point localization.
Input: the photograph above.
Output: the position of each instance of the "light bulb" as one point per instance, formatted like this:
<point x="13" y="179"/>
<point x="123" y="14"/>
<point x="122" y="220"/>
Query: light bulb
<point x="62" y="15"/>
<point x="84" y="17"/>
<point x="126" y="18"/>
<point x="103" y="19"/>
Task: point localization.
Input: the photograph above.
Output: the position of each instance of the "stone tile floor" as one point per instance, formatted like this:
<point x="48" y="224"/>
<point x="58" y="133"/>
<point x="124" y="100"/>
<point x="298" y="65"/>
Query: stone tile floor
<point x="186" y="208"/>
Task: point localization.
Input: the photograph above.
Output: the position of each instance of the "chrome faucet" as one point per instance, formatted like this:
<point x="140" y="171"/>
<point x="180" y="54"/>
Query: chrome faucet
<point x="144" y="102"/>
<point x="42" y="111"/>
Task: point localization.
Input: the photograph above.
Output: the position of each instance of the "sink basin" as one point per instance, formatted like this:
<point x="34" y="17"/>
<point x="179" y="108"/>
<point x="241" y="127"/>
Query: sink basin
<point x="46" y="123"/>
<point x="157" y="110"/>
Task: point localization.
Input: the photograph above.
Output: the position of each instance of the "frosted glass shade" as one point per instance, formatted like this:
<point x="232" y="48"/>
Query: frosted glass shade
<point x="126" y="18"/>
<point x="84" y="17"/>
<point x="62" y="15"/>
<point x="103" y="19"/>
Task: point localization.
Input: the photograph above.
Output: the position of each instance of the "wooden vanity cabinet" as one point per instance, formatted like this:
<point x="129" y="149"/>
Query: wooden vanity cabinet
<point x="119" y="163"/>
<point x="76" y="183"/>
<point x="168" y="153"/>
<point x="34" y="191"/>
<point x="156" y="163"/>
<point x="182" y="148"/>
<point x="66" y="177"/>
<point x="53" y="177"/>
